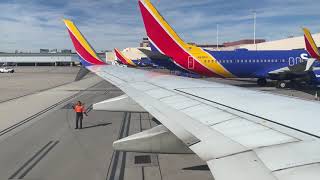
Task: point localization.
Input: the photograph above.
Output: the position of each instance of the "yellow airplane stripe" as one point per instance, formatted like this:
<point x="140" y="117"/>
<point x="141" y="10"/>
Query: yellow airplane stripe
<point x="199" y="54"/>
<point x="167" y="27"/>
<point x="310" y="40"/>
<point x="80" y="37"/>
<point x="129" y="61"/>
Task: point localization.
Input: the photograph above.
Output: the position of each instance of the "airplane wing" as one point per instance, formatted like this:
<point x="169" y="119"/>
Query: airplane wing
<point x="241" y="134"/>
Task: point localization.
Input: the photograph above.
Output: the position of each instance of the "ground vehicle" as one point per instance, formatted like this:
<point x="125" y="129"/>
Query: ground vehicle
<point x="6" y="70"/>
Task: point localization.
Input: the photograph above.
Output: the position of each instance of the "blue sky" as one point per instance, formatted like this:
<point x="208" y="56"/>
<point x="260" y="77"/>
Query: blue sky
<point x="29" y="25"/>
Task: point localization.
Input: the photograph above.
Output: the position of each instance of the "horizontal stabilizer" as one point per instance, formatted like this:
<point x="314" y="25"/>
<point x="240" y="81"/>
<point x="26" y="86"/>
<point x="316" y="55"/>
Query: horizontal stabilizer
<point x="153" y="54"/>
<point x="156" y="140"/>
<point x="119" y="104"/>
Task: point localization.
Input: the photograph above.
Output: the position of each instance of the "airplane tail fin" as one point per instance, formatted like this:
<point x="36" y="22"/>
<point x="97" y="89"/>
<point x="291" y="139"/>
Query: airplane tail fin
<point x="161" y="35"/>
<point x="311" y="46"/>
<point x="86" y="53"/>
<point x="123" y="59"/>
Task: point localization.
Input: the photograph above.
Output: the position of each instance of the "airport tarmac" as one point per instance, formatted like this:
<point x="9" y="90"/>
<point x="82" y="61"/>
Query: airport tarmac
<point x="28" y="80"/>
<point x="40" y="142"/>
<point x="46" y="145"/>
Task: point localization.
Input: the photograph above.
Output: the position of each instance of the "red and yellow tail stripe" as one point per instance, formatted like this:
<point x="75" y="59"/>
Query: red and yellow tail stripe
<point x="310" y="44"/>
<point x="123" y="58"/>
<point x="83" y="48"/>
<point x="168" y="42"/>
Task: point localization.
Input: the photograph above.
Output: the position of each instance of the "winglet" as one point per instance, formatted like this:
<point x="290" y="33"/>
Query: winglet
<point x="123" y="59"/>
<point x="86" y="53"/>
<point x="311" y="46"/>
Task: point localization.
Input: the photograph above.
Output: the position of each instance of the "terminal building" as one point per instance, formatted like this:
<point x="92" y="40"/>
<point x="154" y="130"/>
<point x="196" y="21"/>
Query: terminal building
<point x="38" y="59"/>
<point x="290" y="43"/>
<point x="44" y="58"/>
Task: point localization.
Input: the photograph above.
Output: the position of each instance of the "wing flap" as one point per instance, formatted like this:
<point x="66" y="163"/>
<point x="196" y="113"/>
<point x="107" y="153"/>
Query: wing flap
<point x="243" y="166"/>
<point x="291" y="155"/>
<point x="247" y="133"/>
<point x="308" y="172"/>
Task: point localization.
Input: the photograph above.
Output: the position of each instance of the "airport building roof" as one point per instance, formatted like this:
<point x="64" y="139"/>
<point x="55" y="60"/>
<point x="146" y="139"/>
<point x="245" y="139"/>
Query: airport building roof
<point x="41" y="57"/>
<point x="35" y="54"/>
<point x="282" y="44"/>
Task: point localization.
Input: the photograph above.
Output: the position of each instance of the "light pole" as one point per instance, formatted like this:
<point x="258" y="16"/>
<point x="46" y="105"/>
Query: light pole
<point x="254" y="28"/>
<point x="217" y="36"/>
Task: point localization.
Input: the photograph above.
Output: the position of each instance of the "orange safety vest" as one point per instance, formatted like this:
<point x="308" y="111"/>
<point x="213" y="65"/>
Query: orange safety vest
<point x="79" y="109"/>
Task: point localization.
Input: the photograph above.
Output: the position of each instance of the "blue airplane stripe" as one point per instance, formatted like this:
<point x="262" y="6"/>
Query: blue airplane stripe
<point x="243" y="63"/>
<point x="84" y="62"/>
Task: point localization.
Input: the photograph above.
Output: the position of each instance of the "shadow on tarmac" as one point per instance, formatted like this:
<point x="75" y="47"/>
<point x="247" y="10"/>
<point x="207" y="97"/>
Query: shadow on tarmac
<point x="97" y="125"/>
<point x="197" y="168"/>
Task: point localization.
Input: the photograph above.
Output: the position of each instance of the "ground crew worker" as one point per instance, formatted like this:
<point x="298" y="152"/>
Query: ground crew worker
<point x="79" y="110"/>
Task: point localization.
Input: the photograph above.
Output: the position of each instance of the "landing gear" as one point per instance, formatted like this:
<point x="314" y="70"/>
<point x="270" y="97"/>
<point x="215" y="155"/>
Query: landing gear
<point x="295" y="84"/>
<point x="262" y="82"/>
<point x="282" y="84"/>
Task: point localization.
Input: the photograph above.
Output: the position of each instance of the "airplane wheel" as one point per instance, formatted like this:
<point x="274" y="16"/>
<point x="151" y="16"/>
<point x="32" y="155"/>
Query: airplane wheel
<point x="262" y="82"/>
<point x="281" y="84"/>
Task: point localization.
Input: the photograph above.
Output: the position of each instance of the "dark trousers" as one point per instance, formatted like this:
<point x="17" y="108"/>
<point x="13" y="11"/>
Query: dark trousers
<point x="79" y="117"/>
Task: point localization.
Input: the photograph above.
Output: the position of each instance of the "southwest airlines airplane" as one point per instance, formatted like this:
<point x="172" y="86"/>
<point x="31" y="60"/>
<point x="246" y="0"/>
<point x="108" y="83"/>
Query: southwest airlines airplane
<point x="142" y="62"/>
<point x="124" y="60"/>
<point x="157" y="60"/>
<point x="241" y="63"/>
<point x="241" y="134"/>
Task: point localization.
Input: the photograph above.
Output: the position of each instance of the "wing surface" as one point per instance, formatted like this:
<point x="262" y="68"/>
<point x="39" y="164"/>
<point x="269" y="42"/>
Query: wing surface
<point x="252" y="134"/>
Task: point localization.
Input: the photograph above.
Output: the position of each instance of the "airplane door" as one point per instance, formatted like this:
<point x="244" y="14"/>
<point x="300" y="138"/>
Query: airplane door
<point x="190" y="62"/>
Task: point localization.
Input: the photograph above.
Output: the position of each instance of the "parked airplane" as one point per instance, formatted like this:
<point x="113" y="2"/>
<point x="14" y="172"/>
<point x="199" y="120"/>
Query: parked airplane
<point x="153" y="60"/>
<point x="166" y="62"/>
<point x="275" y="65"/>
<point x="252" y="134"/>
<point x="140" y="62"/>
<point x="124" y="60"/>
